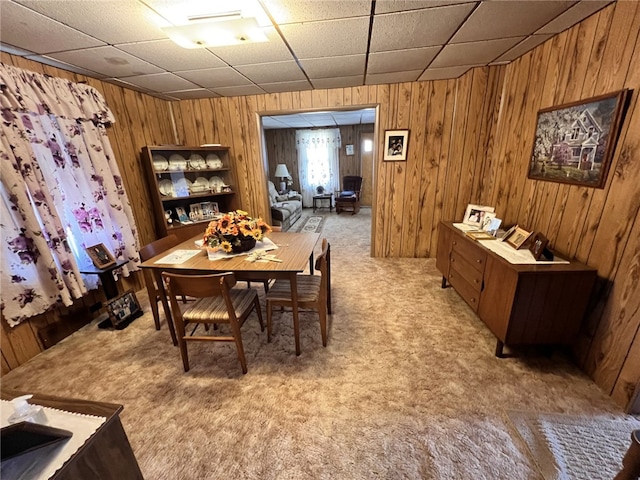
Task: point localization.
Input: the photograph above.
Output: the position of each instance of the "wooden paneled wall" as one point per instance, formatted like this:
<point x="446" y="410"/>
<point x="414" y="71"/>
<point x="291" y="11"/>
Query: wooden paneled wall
<point x="600" y="227"/>
<point x="281" y="148"/>
<point x="140" y="120"/>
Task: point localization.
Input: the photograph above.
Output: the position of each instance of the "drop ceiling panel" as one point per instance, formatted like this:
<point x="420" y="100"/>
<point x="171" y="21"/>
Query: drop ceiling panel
<point x="516" y="18"/>
<point x="215" y="77"/>
<point x="444" y="73"/>
<point x="344" y="66"/>
<point x="29" y="30"/>
<point x="572" y="16"/>
<point x="239" y="90"/>
<point x="400" y="60"/>
<point x="250" y="53"/>
<point x="473" y="53"/>
<point x="418" y="28"/>
<point x="169" y="56"/>
<point x="523" y="47"/>
<point x="272" y="72"/>
<point x="108" y="61"/>
<point x="192" y="94"/>
<point x="395" y="77"/>
<point x="328" y="39"/>
<point x="296" y="11"/>
<point x="387" y="6"/>
<point x="161" y="82"/>
<point x="338" y="82"/>
<point x="112" y="21"/>
<point x="317" y="44"/>
<point x="278" y="87"/>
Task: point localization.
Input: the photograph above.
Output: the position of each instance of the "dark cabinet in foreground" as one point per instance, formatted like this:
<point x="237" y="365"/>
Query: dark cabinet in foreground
<point x="521" y="304"/>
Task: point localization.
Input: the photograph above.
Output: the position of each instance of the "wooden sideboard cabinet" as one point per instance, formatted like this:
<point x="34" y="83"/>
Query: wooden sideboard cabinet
<point x="541" y="304"/>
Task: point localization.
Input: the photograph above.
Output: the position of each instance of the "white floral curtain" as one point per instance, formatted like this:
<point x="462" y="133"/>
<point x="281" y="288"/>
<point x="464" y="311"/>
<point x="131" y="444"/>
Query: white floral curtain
<point x="60" y="191"/>
<point x="318" y="161"/>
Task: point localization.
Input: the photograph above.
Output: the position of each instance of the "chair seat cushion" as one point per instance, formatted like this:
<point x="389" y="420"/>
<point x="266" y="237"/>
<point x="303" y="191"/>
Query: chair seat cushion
<point x="308" y="289"/>
<point x="214" y="310"/>
<point x="347" y="193"/>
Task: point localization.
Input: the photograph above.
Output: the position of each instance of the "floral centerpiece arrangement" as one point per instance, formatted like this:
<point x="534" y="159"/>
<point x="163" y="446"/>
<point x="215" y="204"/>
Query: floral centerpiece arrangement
<point x="234" y="232"/>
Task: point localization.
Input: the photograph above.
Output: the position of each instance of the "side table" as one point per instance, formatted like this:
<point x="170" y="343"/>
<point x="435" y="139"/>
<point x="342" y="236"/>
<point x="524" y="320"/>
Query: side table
<point x="106" y="277"/>
<point x="318" y="199"/>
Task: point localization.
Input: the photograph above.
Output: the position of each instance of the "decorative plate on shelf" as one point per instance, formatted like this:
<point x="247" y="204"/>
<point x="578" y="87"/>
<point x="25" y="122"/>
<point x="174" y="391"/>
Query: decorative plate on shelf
<point x="213" y="161"/>
<point x="197" y="162"/>
<point x="166" y="187"/>
<point x="200" y="185"/>
<point x="177" y="162"/>
<point x="216" y="184"/>
<point x="159" y="163"/>
<point x="181" y="187"/>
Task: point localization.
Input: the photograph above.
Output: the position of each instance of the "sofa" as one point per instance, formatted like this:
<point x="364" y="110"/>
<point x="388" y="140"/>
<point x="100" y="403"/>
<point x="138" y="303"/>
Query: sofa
<point x="285" y="209"/>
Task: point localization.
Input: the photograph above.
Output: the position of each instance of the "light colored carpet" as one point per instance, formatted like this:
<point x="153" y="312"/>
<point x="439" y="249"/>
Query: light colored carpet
<point x="407" y="387"/>
<point x="571" y="447"/>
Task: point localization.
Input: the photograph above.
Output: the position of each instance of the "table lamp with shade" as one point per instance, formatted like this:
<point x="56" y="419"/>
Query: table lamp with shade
<point x="283" y="174"/>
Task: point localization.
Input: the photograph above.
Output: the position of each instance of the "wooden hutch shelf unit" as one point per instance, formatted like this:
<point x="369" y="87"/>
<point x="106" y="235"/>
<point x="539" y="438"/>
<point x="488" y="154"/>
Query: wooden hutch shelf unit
<point x="540" y="304"/>
<point x="188" y="184"/>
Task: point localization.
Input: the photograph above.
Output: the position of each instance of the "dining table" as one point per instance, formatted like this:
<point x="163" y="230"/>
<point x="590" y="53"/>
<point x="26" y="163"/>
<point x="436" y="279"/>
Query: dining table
<point x="289" y="256"/>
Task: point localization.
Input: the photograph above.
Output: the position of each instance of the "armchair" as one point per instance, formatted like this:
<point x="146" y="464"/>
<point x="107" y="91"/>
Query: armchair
<point x="348" y="199"/>
<point x="285" y="209"/>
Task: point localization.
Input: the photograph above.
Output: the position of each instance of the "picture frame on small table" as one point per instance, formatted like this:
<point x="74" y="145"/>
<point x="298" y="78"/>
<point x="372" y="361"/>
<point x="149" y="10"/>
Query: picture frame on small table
<point x="123" y="309"/>
<point x="538" y="247"/>
<point x="474" y="214"/>
<point x="517" y="237"/>
<point x="100" y="256"/>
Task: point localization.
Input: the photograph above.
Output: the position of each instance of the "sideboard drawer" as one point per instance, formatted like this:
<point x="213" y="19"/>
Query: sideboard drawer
<point x="472" y="253"/>
<point x="468" y="292"/>
<point x="468" y="270"/>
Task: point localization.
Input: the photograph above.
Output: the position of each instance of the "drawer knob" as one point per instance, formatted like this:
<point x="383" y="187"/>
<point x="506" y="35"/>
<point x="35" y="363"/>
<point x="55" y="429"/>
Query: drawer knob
<point x="455" y="243"/>
<point x="479" y="261"/>
<point x="473" y="300"/>
<point x="477" y="281"/>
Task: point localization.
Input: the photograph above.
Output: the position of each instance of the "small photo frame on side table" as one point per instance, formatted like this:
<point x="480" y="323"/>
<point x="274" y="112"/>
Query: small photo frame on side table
<point x="124" y="309"/>
<point x="100" y="256"/>
<point x="517" y="238"/>
<point x="538" y="247"/>
<point x="395" y="145"/>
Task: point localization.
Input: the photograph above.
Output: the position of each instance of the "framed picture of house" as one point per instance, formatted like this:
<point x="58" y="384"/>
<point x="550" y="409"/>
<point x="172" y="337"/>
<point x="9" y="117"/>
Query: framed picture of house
<point x="574" y="143"/>
<point x="395" y="145"/>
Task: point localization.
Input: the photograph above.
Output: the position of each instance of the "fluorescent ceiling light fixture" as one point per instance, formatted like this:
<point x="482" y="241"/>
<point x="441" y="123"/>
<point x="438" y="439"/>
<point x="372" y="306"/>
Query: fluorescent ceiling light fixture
<point x="216" y="33"/>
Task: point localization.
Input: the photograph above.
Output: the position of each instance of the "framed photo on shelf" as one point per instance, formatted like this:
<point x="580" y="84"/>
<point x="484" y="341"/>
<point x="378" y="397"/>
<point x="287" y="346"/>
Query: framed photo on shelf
<point x="517" y="238"/>
<point x="123" y="308"/>
<point x="196" y="211"/>
<point x="474" y="215"/>
<point x="574" y="143"/>
<point x="182" y="215"/>
<point x="396" y="143"/>
<point x="538" y="246"/>
<point x="100" y="256"/>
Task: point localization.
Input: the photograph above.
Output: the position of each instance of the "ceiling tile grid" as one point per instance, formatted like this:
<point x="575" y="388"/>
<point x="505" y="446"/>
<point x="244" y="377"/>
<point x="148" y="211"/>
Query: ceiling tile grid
<point x="311" y="43"/>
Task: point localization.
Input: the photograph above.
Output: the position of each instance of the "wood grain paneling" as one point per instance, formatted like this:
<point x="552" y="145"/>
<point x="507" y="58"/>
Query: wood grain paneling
<point x="597" y="226"/>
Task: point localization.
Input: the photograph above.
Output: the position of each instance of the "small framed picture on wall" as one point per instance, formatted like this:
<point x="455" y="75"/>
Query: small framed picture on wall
<point x="396" y="143"/>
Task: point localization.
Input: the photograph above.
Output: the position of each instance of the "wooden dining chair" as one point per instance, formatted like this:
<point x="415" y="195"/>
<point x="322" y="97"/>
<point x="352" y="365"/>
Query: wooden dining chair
<point x="153" y="290"/>
<point x="313" y="293"/>
<point x="217" y="302"/>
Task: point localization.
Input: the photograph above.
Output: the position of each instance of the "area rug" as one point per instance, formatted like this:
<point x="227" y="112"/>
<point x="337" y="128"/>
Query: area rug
<point x="311" y="224"/>
<point x="575" y="447"/>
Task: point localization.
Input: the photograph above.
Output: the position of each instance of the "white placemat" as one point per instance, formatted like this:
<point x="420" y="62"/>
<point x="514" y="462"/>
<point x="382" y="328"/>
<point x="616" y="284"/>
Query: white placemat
<point x="520" y="257"/>
<point x="42" y="467"/>
<point x="179" y="256"/>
